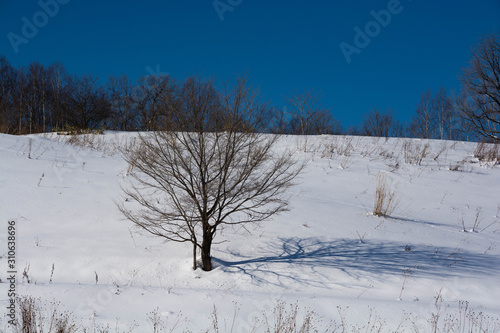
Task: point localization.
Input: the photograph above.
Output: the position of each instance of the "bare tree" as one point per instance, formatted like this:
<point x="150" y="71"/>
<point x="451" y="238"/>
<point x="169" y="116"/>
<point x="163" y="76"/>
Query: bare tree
<point x="212" y="170"/>
<point x="20" y="99"/>
<point x="445" y="114"/>
<point x="424" y="122"/>
<point x="308" y="117"/>
<point x="153" y="96"/>
<point x="465" y="128"/>
<point x="37" y="92"/>
<point x="83" y="102"/>
<point x="379" y="124"/>
<point x="123" y="106"/>
<point x="480" y="104"/>
<point x="57" y="75"/>
<point x="322" y="122"/>
<point x="276" y="121"/>
<point x="8" y="86"/>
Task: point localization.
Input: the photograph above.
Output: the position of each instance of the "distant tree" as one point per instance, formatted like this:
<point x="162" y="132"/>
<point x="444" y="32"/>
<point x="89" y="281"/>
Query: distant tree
<point x="322" y="122"/>
<point x="276" y="121"/>
<point x="154" y="96"/>
<point x="308" y="117"/>
<point x="479" y="104"/>
<point x="353" y="130"/>
<point x="379" y="124"/>
<point x="20" y="100"/>
<point x="122" y="103"/>
<point x="84" y="104"/>
<point x="400" y="130"/>
<point x="445" y="113"/>
<point x="37" y="96"/>
<point x="57" y="76"/>
<point x="210" y="171"/>
<point x="424" y="123"/>
<point x="8" y="86"/>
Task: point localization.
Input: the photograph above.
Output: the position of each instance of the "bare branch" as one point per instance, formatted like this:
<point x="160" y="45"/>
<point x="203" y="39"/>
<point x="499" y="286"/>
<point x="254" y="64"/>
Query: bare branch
<point x="212" y="169"/>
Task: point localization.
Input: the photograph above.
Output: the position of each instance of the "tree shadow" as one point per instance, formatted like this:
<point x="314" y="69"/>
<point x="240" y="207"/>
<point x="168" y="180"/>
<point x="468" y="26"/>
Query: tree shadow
<point x="295" y="256"/>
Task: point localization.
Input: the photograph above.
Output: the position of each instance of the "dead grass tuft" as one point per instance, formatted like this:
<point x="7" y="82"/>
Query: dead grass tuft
<point x="387" y="196"/>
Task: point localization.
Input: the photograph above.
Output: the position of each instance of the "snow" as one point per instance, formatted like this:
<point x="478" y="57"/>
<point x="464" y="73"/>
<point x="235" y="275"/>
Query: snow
<point x="328" y="254"/>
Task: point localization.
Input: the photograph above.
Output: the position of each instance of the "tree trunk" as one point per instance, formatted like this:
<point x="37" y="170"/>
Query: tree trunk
<point x="206" y="258"/>
<point x="194" y="256"/>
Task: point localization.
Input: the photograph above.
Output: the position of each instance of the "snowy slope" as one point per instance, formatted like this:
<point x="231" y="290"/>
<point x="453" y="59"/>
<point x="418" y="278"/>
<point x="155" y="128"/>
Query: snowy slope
<point x="78" y="250"/>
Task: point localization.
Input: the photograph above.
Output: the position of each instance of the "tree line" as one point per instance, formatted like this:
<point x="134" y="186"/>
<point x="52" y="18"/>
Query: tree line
<point x="472" y="114"/>
<point x="40" y="98"/>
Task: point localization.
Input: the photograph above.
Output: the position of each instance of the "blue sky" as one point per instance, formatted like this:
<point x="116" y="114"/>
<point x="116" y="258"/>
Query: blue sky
<point x="282" y="45"/>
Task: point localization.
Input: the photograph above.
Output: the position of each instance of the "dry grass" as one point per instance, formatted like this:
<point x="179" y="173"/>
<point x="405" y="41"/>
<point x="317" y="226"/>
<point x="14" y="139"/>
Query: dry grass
<point x="336" y="145"/>
<point x="387" y="196"/>
<point x="414" y="153"/>
<point x="286" y="320"/>
<point x="487" y="152"/>
<point x="36" y="316"/>
<point x="108" y="144"/>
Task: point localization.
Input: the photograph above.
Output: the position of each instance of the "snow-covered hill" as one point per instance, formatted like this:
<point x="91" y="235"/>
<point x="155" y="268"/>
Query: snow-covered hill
<point x="329" y="254"/>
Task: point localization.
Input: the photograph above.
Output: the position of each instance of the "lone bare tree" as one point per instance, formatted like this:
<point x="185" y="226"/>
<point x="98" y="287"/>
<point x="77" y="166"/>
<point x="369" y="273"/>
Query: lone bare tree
<point x="209" y="170"/>
<point x="480" y="103"/>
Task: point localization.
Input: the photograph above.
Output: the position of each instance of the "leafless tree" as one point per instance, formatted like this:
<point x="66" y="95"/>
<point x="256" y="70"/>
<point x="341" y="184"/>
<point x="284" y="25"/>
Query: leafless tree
<point x="210" y="171"/>
<point x="154" y="97"/>
<point x="480" y="103"/>
<point x="424" y="122"/>
<point x="57" y="75"/>
<point x="37" y="96"/>
<point x="378" y="124"/>
<point x="84" y="104"/>
<point x="322" y="122"/>
<point x="276" y="121"/>
<point x="465" y="129"/>
<point x="123" y="106"/>
<point x="308" y="117"/>
<point x="445" y="113"/>
<point x="27" y="91"/>
<point x="20" y="98"/>
<point x="7" y="92"/>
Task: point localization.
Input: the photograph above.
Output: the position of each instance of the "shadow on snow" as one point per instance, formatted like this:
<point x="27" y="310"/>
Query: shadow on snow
<point x="357" y="260"/>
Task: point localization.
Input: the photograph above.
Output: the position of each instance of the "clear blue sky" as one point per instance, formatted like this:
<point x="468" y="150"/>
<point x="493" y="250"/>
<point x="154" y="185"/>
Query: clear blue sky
<point x="281" y="45"/>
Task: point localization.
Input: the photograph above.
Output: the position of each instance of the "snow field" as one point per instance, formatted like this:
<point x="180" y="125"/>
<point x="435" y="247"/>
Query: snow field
<point x="327" y="252"/>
